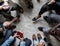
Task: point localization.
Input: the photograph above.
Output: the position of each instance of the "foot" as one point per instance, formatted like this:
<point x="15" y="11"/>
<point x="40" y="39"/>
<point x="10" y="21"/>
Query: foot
<point x="39" y="37"/>
<point x="40" y="29"/>
<point x="34" y="19"/>
<point x="33" y="37"/>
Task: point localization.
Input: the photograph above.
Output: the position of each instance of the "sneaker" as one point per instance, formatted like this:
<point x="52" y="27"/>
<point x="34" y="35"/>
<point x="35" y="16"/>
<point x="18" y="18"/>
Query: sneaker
<point x="34" y="19"/>
<point x="39" y="37"/>
<point x="34" y="37"/>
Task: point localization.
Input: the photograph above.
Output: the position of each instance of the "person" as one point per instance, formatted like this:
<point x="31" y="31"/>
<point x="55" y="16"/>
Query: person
<point x="10" y="40"/>
<point x="6" y="29"/>
<point x="37" y="40"/>
<point x="9" y="12"/>
<point x="6" y="33"/>
<point x="51" y="5"/>
<point x="42" y="43"/>
<point x="53" y="18"/>
<point x="54" y="31"/>
<point x="34" y="40"/>
<point x="24" y="41"/>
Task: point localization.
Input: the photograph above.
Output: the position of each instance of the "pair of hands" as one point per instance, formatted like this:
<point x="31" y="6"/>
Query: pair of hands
<point x="17" y="36"/>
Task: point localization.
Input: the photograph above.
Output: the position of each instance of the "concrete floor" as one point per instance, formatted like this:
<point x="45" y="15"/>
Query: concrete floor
<point x="28" y="27"/>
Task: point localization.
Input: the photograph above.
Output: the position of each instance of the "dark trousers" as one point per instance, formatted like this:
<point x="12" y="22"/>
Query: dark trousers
<point x="47" y="7"/>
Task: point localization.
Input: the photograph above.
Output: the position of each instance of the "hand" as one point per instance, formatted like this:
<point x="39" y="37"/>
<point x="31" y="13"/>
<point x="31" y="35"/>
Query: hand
<point x="41" y="44"/>
<point x="15" y="35"/>
<point x="21" y="39"/>
<point x="51" y="2"/>
<point x="7" y="23"/>
<point x="0" y="7"/>
<point x="0" y="29"/>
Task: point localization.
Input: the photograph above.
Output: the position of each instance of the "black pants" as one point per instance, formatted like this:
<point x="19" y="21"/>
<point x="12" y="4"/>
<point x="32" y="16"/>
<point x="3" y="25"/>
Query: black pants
<point x="47" y="7"/>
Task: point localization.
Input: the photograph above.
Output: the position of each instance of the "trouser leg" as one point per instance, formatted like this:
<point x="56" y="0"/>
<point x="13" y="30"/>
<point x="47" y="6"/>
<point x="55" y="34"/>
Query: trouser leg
<point x="7" y="35"/>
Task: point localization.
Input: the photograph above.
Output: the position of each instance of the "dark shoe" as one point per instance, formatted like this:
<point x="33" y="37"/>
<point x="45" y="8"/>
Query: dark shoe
<point x="34" y="19"/>
<point x="45" y="39"/>
<point x="40" y="28"/>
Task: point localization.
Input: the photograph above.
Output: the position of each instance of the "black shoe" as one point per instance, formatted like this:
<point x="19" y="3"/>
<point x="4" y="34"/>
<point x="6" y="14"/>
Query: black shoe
<point x="40" y="29"/>
<point x="34" y="19"/>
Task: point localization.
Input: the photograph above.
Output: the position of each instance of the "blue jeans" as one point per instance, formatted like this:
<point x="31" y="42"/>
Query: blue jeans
<point x="7" y="35"/>
<point x="22" y="43"/>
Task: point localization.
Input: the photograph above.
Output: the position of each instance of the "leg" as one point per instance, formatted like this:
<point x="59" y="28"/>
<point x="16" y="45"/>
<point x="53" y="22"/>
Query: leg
<point x="55" y="17"/>
<point x="49" y="20"/>
<point x="46" y="34"/>
<point x="7" y="35"/>
<point x="43" y="9"/>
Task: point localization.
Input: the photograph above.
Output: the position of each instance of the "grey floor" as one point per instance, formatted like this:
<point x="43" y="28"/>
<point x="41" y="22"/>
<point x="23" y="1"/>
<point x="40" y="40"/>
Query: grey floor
<point x="28" y="27"/>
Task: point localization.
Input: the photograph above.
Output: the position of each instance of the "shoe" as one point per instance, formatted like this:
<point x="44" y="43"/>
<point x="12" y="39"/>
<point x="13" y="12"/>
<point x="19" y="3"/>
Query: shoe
<point x="34" y="19"/>
<point x="39" y="37"/>
<point x="40" y="28"/>
<point x="34" y="37"/>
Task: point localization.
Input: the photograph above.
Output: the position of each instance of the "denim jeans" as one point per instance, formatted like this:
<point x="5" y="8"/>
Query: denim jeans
<point x="55" y="17"/>
<point x="22" y="43"/>
<point x="7" y="35"/>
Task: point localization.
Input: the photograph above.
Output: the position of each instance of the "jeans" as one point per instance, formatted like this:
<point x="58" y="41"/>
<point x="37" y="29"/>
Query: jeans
<point x="7" y="35"/>
<point x="22" y="43"/>
<point x="46" y="33"/>
<point x="55" y="17"/>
